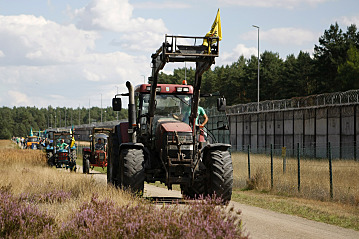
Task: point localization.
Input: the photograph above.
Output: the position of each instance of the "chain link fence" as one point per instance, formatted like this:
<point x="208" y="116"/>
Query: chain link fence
<point x="295" y="172"/>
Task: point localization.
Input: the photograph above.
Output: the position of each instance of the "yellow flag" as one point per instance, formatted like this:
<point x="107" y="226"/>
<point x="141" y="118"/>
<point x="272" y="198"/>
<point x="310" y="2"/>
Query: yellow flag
<point x="72" y="142"/>
<point x="216" y="30"/>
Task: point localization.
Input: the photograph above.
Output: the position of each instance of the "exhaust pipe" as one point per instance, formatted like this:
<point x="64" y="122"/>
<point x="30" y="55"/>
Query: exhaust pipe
<point x="131" y="112"/>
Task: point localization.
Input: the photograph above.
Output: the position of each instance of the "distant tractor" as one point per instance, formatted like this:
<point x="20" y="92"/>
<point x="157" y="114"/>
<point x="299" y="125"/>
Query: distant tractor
<point x="32" y="142"/>
<point x="63" y="156"/>
<point x="161" y="140"/>
<point x="96" y="154"/>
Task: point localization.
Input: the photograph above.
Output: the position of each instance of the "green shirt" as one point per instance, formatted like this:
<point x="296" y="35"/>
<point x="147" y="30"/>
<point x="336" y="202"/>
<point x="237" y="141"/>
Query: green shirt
<point x="201" y="112"/>
<point x="186" y="112"/>
<point x="62" y="145"/>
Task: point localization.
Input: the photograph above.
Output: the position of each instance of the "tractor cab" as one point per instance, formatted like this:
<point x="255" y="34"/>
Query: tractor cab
<point x="96" y="154"/>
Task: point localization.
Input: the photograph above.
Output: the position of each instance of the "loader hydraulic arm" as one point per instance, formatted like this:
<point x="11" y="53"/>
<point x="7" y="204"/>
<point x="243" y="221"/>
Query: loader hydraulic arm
<point x="172" y="51"/>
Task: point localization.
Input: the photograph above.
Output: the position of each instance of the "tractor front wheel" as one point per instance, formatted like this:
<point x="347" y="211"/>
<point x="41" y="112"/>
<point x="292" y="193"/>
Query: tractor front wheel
<point x="132" y="172"/>
<point x="193" y="191"/>
<point x="219" y="174"/>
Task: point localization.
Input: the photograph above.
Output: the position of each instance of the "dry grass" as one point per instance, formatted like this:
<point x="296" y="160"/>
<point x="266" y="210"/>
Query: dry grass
<point x="25" y="172"/>
<point x="314" y="184"/>
<point x="42" y="202"/>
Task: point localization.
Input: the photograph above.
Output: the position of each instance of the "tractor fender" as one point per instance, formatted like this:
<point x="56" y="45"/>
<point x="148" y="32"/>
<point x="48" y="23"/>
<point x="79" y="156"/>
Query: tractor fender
<point x="211" y="147"/>
<point x="146" y="152"/>
<point x="131" y="146"/>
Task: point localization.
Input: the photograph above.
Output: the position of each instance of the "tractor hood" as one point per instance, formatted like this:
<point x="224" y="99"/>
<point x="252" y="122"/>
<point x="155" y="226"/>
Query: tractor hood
<point x="165" y="127"/>
<point x="175" y="126"/>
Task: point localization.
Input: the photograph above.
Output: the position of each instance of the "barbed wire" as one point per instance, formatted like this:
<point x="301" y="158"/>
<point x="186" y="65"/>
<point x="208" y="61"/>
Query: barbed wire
<point x="336" y="98"/>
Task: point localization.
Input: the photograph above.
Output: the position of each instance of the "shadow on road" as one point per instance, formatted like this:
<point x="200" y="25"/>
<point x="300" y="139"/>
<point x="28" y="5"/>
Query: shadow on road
<point x="166" y="200"/>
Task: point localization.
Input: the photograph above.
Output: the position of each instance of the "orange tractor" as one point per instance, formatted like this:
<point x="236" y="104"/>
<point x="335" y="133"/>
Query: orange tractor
<point x="96" y="154"/>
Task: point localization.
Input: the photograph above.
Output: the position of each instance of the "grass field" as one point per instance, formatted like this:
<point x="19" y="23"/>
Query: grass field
<point x="37" y="201"/>
<point x="314" y="177"/>
<point x="313" y="201"/>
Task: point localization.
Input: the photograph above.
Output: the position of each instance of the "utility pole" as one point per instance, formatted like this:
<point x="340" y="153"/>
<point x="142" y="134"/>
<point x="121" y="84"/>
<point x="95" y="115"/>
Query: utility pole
<point x="101" y="107"/>
<point x="89" y="113"/>
<point x="258" y="64"/>
<point x="65" y="118"/>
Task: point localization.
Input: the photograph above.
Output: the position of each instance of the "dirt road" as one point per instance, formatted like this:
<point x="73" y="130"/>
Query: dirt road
<point x="261" y="223"/>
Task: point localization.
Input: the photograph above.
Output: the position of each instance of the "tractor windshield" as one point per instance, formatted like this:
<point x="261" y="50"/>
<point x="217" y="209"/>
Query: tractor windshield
<point x="32" y="139"/>
<point x="176" y="106"/>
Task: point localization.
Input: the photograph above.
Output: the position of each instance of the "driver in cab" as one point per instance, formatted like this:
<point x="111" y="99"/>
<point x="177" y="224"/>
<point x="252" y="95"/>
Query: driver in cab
<point x="99" y="145"/>
<point x="62" y="144"/>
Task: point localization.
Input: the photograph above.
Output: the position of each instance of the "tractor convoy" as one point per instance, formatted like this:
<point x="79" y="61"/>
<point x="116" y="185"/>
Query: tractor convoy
<point x="161" y="140"/>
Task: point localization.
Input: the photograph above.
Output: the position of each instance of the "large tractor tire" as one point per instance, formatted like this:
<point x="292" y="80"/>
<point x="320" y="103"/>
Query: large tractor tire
<point x="193" y="191"/>
<point x="86" y="164"/>
<point x="132" y="170"/>
<point x="73" y="154"/>
<point x="50" y="159"/>
<point x="219" y="174"/>
<point x="113" y="160"/>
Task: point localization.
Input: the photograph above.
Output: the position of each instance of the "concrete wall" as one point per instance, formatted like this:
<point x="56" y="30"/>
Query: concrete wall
<point x="312" y="128"/>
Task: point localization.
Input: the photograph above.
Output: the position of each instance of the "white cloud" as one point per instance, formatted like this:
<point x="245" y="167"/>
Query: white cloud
<point x="349" y="20"/>
<point x="30" y="40"/>
<point x="227" y="58"/>
<point x="40" y="58"/>
<point x="290" y="4"/>
<point x="162" y="5"/>
<point x="115" y="15"/>
<point x="283" y="36"/>
<point x="19" y="98"/>
<point x="137" y="34"/>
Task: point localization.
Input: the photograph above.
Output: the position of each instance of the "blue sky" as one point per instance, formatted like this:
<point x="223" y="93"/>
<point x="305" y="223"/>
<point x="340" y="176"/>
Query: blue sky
<point x="67" y="53"/>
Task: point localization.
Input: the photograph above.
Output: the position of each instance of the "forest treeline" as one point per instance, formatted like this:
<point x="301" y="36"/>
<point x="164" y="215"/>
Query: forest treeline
<point x="18" y="121"/>
<point x="333" y="67"/>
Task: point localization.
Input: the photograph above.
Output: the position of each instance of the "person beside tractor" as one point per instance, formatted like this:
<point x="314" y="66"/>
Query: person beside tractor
<point x="62" y="145"/>
<point x="99" y="145"/>
<point x="186" y="111"/>
<point x="201" y="112"/>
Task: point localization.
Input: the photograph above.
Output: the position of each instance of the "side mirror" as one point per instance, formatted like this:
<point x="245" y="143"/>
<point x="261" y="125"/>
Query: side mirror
<point x="221" y="104"/>
<point x="116" y="104"/>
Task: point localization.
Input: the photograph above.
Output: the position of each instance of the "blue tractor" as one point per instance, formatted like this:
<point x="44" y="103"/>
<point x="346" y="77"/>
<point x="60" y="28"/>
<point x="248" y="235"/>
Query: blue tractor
<point x="63" y="153"/>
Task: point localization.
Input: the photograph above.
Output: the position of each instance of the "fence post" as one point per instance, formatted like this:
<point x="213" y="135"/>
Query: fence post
<point x="249" y="162"/>
<point x="330" y="170"/>
<point x="284" y="156"/>
<point x="271" y="166"/>
<point x="298" y="159"/>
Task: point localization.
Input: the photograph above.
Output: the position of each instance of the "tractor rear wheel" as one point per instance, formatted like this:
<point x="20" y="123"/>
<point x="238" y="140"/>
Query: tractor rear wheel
<point x="219" y="174"/>
<point x="85" y="164"/>
<point x="132" y="169"/>
<point x="50" y="159"/>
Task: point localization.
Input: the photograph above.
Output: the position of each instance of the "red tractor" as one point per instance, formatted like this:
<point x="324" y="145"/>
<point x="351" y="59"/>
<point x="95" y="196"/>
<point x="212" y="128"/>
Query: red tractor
<point x="162" y="140"/>
<point x="96" y="154"/>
